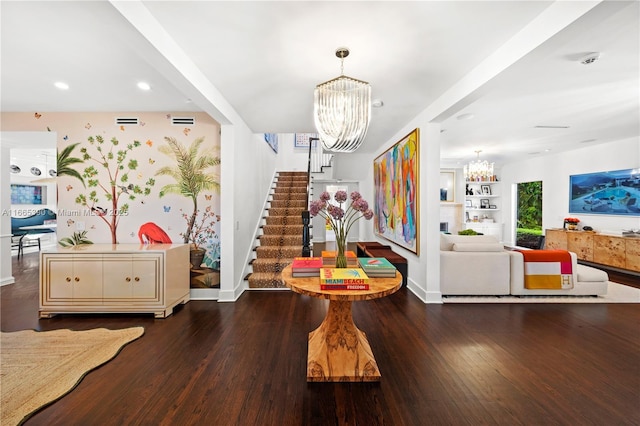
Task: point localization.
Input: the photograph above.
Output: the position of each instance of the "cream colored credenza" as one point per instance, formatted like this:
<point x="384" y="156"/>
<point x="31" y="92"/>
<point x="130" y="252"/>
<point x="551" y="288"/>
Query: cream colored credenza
<point x="610" y="250"/>
<point x="114" y="278"/>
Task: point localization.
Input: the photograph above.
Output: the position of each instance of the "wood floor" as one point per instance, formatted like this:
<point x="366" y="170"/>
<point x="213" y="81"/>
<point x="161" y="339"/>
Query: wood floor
<point x="243" y="363"/>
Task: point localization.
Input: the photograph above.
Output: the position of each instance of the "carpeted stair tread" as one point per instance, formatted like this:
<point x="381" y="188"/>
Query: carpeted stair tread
<point x="266" y="280"/>
<point x="283" y="196"/>
<point x="283" y="211"/>
<point x="283" y="220"/>
<point x="270" y="264"/>
<point x="288" y="203"/>
<point x="279" y="252"/>
<point x="282" y="229"/>
<point x="280" y="240"/>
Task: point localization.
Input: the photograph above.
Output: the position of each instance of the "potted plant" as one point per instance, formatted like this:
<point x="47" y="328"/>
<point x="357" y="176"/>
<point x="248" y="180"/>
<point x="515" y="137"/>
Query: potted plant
<point x="202" y="231"/>
<point x="571" y="223"/>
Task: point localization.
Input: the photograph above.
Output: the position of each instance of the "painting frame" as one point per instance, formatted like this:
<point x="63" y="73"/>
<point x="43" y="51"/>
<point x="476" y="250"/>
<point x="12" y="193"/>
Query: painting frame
<point x="447" y="186"/>
<point x="485" y="189"/>
<point x="272" y="140"/>
<point x="396" y="177"/>
<point x="301" y="140"/>
<point x="614" y="193"/>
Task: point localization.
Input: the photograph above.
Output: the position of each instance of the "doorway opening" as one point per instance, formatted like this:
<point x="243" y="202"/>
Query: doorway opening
<point x="529" y="215"/>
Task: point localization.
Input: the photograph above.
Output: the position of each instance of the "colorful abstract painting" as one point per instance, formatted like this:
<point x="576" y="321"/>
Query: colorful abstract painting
<point x="395" y="180"/>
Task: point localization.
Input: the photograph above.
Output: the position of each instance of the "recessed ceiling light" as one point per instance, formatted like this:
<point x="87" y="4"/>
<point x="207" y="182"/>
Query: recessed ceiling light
<point x="142" y="85"/>
<point x="467" y="116"/>
<point x="377" y="103"/>
<point x="61" y="85"/>
<point x="547" y="150"/>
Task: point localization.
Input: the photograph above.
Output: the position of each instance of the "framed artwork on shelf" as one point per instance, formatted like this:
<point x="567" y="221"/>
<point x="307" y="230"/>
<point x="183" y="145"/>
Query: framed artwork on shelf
<point x="493" y="206"/>
<point x="468" y="204"/>
<point x="484" y="203"/>
<point x="486" y="189"/>
<point x="395" y="182"/>
<point x="606" y="193"/>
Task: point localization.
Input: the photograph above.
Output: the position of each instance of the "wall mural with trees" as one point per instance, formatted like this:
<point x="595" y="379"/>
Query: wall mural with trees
<point x="148" y="182"/>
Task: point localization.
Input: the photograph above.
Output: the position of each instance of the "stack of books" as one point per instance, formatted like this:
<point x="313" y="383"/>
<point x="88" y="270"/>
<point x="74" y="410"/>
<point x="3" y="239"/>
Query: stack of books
<point x="329" y="258"/>
<point x="377" y="267"/>
<point x="306" y="266"/>
<point x="343" y="279"/>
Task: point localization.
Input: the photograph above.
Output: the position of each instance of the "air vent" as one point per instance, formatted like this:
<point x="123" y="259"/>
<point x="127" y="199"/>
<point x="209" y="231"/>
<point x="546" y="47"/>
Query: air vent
<point x="127" y="121"/>
<point x="183" y="121"/>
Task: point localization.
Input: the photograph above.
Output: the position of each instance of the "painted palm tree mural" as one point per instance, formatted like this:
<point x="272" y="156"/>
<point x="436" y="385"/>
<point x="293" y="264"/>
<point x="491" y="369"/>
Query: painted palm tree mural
<point x="106" y="192"/>
<point x="192" y="175"/>
<point x="65" y="162"/>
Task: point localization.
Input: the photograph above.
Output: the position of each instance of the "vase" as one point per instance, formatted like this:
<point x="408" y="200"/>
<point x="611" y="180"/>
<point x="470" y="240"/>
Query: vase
<point x="196" y="256"/>
<point x="572" y="226"/>
<point x="341" y="258"/>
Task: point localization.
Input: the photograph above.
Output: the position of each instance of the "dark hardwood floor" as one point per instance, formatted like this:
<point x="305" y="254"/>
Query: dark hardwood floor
<point x="243" y="363"/>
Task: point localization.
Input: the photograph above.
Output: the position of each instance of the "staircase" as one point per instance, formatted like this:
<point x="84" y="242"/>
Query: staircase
<point x="281" y="238"/>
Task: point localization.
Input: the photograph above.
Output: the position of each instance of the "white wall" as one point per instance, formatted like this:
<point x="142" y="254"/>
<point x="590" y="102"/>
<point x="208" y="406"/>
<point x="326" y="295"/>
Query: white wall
<point x="423" y="269"/>
<point x="554" y="172"/>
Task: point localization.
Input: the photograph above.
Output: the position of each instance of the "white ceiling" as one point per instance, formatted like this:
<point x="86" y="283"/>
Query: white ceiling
<point x="264" y="58"/>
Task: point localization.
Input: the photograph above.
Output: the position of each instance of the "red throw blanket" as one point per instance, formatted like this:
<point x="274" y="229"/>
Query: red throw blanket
<point x="548" y="269"/>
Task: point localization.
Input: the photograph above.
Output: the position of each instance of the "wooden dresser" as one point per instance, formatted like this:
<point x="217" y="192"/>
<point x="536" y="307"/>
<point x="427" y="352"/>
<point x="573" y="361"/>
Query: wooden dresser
<point x="112" y="278"/>
<point x="609" y="250"/>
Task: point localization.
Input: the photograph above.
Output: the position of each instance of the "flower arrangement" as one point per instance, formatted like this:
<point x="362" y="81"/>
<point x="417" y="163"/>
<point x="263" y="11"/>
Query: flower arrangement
<point x="573" y="220"/>
<point x="341" y="220"/>
<point x="203" y="229"/>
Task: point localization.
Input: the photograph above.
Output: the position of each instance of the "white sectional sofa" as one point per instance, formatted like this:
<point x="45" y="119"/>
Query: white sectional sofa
<point x="480" y="265"/>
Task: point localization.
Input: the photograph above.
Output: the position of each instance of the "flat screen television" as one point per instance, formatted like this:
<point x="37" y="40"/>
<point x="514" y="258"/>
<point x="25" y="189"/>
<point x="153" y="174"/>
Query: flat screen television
<point x="26" y="194"/>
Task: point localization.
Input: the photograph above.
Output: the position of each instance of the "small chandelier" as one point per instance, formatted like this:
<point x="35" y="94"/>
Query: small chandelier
<point x="479" y="171"/>
<point x="341" y="109"/>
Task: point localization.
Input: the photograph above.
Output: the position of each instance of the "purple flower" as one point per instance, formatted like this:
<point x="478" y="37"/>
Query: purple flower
<point x="335" y="212"/>
<point x="341" y="196"/>
<point x="325" y="196"/>
<point x="360" y="204"/>
<point x="355" y="195"/>
<point x="368" y="214"/>
<point x="316" y="206"/>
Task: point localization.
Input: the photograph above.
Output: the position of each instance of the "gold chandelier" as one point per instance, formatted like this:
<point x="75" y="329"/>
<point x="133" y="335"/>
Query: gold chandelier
<point x="342" y="109"/>
<point x="479" y="171"/>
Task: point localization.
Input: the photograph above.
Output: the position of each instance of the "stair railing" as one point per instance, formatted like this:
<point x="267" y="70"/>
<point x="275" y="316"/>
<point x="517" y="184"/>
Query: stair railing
<point x="306" y="217"/>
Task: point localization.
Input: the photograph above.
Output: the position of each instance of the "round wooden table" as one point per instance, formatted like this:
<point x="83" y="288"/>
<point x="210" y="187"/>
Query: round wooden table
<point x="338" y="350"/>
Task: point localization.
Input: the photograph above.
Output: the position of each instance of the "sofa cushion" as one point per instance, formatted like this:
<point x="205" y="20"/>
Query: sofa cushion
<point x="480" y="247"/>
<point x="589" y="274"/>
<point x="447" y="240"/>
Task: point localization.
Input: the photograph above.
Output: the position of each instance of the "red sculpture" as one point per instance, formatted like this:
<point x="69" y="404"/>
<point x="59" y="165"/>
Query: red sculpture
<point x="153" y="234"/>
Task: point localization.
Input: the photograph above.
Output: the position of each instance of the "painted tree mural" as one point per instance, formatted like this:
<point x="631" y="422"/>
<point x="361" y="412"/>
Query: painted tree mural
<point x="65" y="163"/>
<point x="192" y="174"/>
<point x="108" y="180"/>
